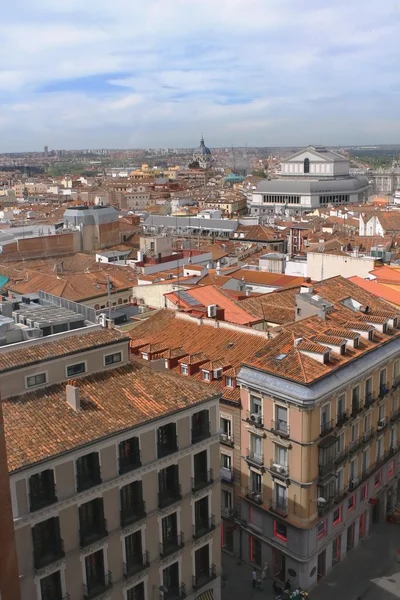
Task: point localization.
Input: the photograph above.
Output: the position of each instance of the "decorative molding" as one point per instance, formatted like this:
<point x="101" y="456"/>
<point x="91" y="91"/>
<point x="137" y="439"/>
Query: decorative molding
<point x="203" y="540"/>
<point x="90" y="494"/>
<point x="162" y="512"/>
<point x="201" y="493"/>
<point x="277" y="439"/>
<point x="51" y="568"/>
<point x="171" y="558"/>
<point x="134" y="527"/>
<point x="94" y="547"/>
<point x="134" y="579"/>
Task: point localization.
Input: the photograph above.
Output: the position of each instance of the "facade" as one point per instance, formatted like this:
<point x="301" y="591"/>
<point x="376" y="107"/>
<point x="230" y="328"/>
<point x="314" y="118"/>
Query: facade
<point x="202" y="155"/>
<point x="310" y="178"/>
<point x="119" y="496"/>
<point x="322" y="460"/>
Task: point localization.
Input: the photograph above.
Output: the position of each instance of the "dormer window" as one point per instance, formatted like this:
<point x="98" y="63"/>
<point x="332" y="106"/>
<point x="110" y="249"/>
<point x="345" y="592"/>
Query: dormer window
<point x="145" y="356"/>
<point x="217" y="373"/>
<point x="206" y="375"/>
<point x="184" y="370"/>
<point x="229" y="382"/>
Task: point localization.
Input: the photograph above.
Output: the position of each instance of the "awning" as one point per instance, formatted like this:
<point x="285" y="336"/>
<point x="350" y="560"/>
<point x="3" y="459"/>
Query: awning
<point x="208" y="595"/>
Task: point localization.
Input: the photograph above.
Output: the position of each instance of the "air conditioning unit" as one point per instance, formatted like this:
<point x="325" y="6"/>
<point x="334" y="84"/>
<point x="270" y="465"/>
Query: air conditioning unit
<point x="224" y="436"/>
<point x="354" y="483"/>
<point x="394" y="448"/>
<point x="365" y="436"/>
<point x="257" y="497"/>
<point x="256" y="418"/>
<point x="381" y="424"/>
<point x="211" y="311"/>
<point x="279" y="469"/>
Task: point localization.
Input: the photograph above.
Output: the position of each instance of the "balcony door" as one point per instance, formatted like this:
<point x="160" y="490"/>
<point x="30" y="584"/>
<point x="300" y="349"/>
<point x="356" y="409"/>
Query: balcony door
<point x="50" y="587"/>
<point x="202" y="562"/>
<point x="169" y="527"/>
<point x="95" y="575"/>
<point x="134" y="548"/>
<point x="171" y="578"/>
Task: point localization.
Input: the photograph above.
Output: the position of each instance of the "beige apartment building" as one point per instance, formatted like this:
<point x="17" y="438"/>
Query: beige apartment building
<point x="114" y="474"/>
<point x="320" y="430"/>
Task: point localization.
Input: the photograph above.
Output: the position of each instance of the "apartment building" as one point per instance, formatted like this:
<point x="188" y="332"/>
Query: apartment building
<point x="320" y="430"/>
<point x="199" y="350"/>
<point x="114" y="485"/>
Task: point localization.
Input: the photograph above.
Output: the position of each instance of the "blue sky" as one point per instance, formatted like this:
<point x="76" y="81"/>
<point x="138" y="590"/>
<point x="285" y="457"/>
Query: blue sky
<point x="116" y="74"/>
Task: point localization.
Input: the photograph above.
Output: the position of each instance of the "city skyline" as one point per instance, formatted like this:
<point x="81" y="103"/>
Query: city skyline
<point x="260" y="72"/>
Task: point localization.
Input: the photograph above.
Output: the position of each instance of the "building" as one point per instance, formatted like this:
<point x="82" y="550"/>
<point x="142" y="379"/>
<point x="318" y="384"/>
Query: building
<point x="111" y="470"/>
<point x="98" y="226"/>
<point x="310" y="178"/>
<point x="202" y="155"/>
<point x="322" y="462"/>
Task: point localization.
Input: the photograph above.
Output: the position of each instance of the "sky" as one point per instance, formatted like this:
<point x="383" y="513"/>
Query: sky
<point x="126" y="73"/>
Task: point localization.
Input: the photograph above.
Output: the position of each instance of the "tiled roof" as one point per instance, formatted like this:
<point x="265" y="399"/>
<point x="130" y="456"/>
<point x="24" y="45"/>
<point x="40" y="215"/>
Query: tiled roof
<point x="329" y="339"/>
<point x="265" y="278"/>
<point x="359" y="326"/>
<point x="49" y="350"/>
<point x="41" y="425"/>
<point x="378" y="289"/>
<point x="311" y="347"/>
<point x="230" y="346"/>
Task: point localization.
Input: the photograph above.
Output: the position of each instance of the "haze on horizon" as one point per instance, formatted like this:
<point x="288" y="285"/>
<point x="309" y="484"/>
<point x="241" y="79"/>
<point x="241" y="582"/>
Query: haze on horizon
<point x="122" y="74"/>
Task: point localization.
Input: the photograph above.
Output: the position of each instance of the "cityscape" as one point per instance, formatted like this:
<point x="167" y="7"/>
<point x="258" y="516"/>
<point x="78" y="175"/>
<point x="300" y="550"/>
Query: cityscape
<point x="200" y="304"/>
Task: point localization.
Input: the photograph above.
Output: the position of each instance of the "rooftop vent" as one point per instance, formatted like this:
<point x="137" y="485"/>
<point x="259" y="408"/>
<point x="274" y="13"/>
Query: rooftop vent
<point x="297" y="341"/>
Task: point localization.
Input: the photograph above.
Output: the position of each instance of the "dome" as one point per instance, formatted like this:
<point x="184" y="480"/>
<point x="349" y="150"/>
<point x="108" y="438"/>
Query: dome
<point x="202" y="149"/>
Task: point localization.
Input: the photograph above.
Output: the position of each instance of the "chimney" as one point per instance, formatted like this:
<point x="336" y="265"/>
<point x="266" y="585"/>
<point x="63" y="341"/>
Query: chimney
<point x="297" y="341"/>
<point x="73" y="395"/>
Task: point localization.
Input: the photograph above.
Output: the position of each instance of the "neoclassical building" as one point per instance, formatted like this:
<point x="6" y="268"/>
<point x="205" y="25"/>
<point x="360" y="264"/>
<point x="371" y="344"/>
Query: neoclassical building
<point x="310" y="178"/>
<point x="202" y="155"/>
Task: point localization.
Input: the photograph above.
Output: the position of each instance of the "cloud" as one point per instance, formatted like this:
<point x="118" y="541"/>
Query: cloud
<point x="119" y="73"/>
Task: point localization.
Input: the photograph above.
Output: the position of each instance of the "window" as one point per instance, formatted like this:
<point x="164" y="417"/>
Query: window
<point x="42" y="490"/>
<point x="229" y="382"/>
<point x="255" y="406"/>
<point x="339" y="481"/>
<point x="184" y="370"/>
<point x="281" y="423"/>
<point x="368" y="390"/>
<point x="281" y="456"/>
<point x="255" y="482"/>
<point x="281" y="497"/>
<point x="362" y="526"/>
<point x="341" y="407"/>
<point x="391" y="469"/>
<point x="336" y="550"/>
<point x="365" y="460"/>
<point x="378" y="480"/>
<point x="206" y="375"/>
<point x="226" y="428"/>
<point x="111" y="359"/>
<point x="383" y="388"/>
<point x="47" y="543"/>
<point x="129" y="455"/>
<point x="136" y="592"/>
<point x="367" y="423"/>
<point x="88" y="471"/>
<point x="256" y="448"/>
<point x="340" y="443"/>
<point x="381" y="412"/>
<point x="226" y="461"/>
<point x="364" y="492"/>
<point x="255" y="551"/>
<point x="337" y="516"/>
<point x="97" y="580"/>
<point x="226" y="499"/>
<point x="50" y="587"/>
<point x="306" y="165"/>
<point x="354" y="432"/>
<point x="280" y="531"/>
<point x="393" y="438"/>
<point x="379" y="448"/>
<point x="325" y="415"/>
<point x="355" y="399"/>
<point x="321" y="529"/>
<point x="351" y="503"/>
<point x="167" y="440"/>
<point x="353" y="469"/>
<point x="76" y="369"/>
<point x="33" y="380"/>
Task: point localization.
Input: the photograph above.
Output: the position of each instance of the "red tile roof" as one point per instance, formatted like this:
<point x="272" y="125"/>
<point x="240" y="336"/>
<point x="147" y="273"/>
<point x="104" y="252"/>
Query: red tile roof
<point x="378" y="289"/>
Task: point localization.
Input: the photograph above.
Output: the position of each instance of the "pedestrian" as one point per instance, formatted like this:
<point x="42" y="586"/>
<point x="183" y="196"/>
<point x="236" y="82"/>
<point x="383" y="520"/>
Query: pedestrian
<point x="288" y="585"/>
<point x="264" y="573"/>
<point x="254" y="575"/>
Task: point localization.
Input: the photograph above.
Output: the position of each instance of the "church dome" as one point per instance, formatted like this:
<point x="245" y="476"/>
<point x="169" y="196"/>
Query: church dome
<point x="202" y="149"/>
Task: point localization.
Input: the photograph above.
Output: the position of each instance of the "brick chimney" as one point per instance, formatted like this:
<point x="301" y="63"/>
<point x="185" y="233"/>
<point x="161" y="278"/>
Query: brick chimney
<point x="73" y="395"/>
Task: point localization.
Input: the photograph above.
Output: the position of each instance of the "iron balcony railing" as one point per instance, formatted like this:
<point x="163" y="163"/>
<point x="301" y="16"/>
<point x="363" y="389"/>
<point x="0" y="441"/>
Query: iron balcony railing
<point x="368" y="435"/>
<point x="279" y="506"/>
<point x="49" y="554"/>
<point x="341" y="418"/>
<point x="227" y="439"/>
<point x="326" y="427"/>
<point x="201" y="432"/>
<point x="341" y="455"/>
<point x="227" y="474"/>
<point x="227" y="513"/>
<point x="254" y="457"/>
<point x="93" y="531"/>
<point x="281" y="428"/>
<point x="356" y="408"/>
<point x="254" y="419"/>
<point x="169" y="496"/>
<point x="135" y="564"/>
<point x="254" y="495"/>
<point x="203" y="526"/>
<point x="40" y="499"/>
<point x="166" y="448"/>
<point x="369" y="399"/>
<point x="129" y="462"/>
<point x="355" y="445"/>
<point x="171" y="544"/>
<point x="383" y="389"/>
<point x="326" y="468"/>
<point x="341" y="494"/>
<point x="202" y="480"/>
<point x="279" y="469"/>
<point x="133" y="513"/>
<point x="175" y="592"/>
<point x="97" y="586"/>
<point x="203" y="577"/>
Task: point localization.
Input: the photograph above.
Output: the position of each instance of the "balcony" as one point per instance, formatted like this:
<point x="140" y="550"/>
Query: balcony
<point x="202" y="480"/>
<point x="254" y="419"/>
<point x="201" y="432"/>
<point x="204" y="577"/>
<point x="227" y="474"/>
<point x="171" y="544"/>
<point x="97" y="586"/>
<point x="89" y="533"/>
<point x="368" y="435"/>
<point x="175" y="592"/>
<point x="227" y="513"/>
<point x="340" y="494"/>
<point x="169" y="496"/>
<point x="278" y="469"/>
<point x="226" y="439"/>
<point x="383" y="389"/>
<point x="324" y="509"/>
<point x="49" y="554"/>
<point x="279" y="507"/>
<point x="45" y="497"/>
<point x="326" y="468"/>
<point x="341" y="455"/>
<point x="382" y="424"/>
<point x="166" y="448"/>
<point x="369" y="399"/>
<point x="326" y="428"/>
<point x="280" y="428"/>
<point x="255" y="496"/>
<point x="203" y="526"/>
<point x="129" y="463"/>
<point x="356" y="408"/>
<point x="355" y="445"/>
<point x="342" y="418"/>
<point x="254" y="458"/>
<point x="132" y="514"/>
<point x="136" y="564"/>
